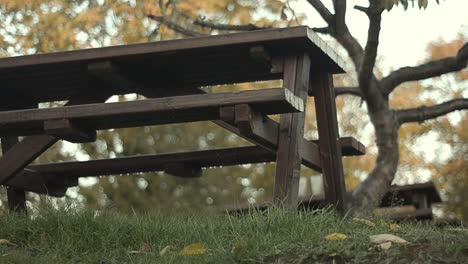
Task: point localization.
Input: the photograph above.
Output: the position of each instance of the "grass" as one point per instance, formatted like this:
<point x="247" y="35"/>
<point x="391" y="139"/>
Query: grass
<point x="276" y="236"/>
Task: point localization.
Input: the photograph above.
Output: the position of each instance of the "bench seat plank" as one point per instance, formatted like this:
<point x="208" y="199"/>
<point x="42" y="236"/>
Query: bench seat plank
<point x="157" y="111"/>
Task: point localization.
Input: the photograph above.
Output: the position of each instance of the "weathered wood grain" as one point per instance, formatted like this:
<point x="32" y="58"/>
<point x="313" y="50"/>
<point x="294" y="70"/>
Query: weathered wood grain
<point x="158" y="162"/>
<point x="329" y="145"/>
<point x="24" y="152"/>
<point x="291" y="132"/>
<point x="15" y="194"/>
<point x="157" y="111"/>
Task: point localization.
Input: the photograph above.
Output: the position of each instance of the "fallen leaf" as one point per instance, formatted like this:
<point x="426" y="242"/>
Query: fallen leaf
<point x="6" y="242"/>
<point x="336" y="237"/>
<point x="394" y="227"/>
<point x="382" y="238"/>
<point x="165" y="250"/>
<point x="194" y="249"/>
<point x="364" y="221"/>
<point x="385" y="245"/>
<point x="145" y="247"/>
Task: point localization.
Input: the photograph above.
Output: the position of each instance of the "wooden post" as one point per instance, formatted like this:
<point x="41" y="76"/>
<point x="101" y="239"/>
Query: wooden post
<point x="420" y="201"/>
<point x="291" y="132"/>
<point x="321" y="86"/>
<point x="16" y="197"/>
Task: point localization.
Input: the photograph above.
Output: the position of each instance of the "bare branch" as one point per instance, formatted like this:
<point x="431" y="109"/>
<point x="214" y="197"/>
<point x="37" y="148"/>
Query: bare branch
<point x="322" y="10"/>
<point x="362" y="9"/>
<point x="427" y="70"/>
<point x="366" y="67"/>
<point x="356" y="91"/>
<point x="176" y="27"/>
<point x="322" y="30"/>
<point x="227" y="27"/>
<point x="341" y="33"/>
<point x="340" y="12"/>
<point x="288" y="4"/>
<point x="351" y="45"/>
<point x="423" y="113"/>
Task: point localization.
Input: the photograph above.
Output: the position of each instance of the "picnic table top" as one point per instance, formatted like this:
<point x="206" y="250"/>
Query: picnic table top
<point x="192" y="62"/>
<point x="403" y="194"/>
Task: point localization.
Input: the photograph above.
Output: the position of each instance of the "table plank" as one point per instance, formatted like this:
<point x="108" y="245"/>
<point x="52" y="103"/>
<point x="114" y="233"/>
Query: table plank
<point x="212" y="60"/>
<point x="157" y="111"/>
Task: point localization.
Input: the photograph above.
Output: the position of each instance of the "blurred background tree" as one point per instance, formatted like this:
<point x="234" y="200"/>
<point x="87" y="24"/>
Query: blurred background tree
<point x="32" y="27"/>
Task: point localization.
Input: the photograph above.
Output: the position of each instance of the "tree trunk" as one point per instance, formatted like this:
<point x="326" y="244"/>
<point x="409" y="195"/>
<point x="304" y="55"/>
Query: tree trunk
<point x="371" y="191"/>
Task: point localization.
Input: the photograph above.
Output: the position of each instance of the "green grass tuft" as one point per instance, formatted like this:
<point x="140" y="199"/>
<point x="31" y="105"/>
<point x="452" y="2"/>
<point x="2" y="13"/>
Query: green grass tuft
<point x="275" y="236"/>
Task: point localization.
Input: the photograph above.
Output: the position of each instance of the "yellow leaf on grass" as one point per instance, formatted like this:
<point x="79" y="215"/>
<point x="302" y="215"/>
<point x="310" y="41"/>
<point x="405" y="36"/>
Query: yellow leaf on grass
<point x="364" y="221"/>
<point x="336" y="237"/>
<point x="194" y="249"/>
<point x="394" y="227"/>
<point x="237" y="248"/>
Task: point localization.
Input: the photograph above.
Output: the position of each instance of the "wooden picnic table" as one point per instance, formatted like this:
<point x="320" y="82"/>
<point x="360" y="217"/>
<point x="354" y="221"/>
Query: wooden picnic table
<point x="170" y="74"/>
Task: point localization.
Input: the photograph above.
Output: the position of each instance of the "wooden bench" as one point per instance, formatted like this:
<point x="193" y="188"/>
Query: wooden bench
<point x="171" y="75"/>
<point x="421" y="196"/>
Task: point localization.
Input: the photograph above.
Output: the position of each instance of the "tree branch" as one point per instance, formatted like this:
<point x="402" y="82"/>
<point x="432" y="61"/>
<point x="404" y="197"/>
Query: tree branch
<point x="356" y="91"/>
<point x="340" y="12"/>
<point x="366" y="67"/>
<point x="227" y="27"/>
<point x="322" y="30"/>
<point x="322" y="10"/>
<point x="423" y="113"/>
<point x="176" y="27"/>
<point x="341" y="34"/>
<point x="362" y="9"/>
<point x="425" y="71"/>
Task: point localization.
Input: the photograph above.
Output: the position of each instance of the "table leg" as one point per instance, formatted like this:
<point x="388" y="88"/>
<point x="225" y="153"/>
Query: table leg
<point x="16" y="197"/>
<point x="291" y="132"/>
<point x="321" y="86"/>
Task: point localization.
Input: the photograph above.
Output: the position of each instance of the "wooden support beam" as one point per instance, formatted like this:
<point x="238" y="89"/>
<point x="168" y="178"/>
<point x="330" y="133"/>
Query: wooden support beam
<point x="42" y="183"/>
<point x="350" y="146"/>
<point x="291" y="133"/>
<point x="265" y="132"/>
<point x="24" y="152"/>
<point x="158" y="162"/>
<point x="15" y="194"/>
<point x="183" y="170"/>
<point x="261" y="55"/>
<point x="330" y="150"/>
<point x="110" y="74"/>
<point x="69" y="131"/>
<point x="254" y="126"/>
<point x="151" y="112"/>
<point x="420" y="201"/>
